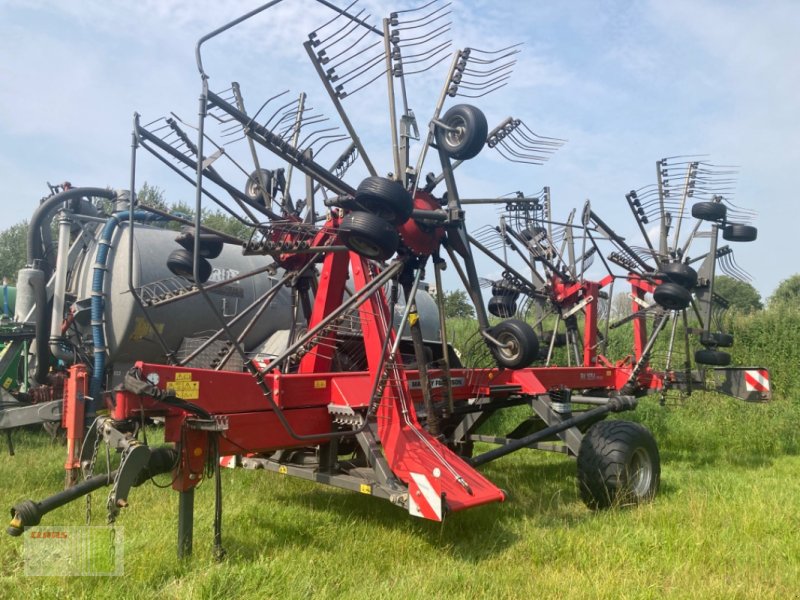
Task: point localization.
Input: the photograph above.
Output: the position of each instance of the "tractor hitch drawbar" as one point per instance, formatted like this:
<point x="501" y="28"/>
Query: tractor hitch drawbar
<point x="29" y="513"/>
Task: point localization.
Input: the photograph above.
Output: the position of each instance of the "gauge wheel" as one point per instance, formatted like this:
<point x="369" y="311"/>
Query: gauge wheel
<point x="715" y="358"/>
<point x="679" y="273"/>
<point x="716" y="339"/>
<point x="464" y="133"/>
<point x="386" y="198"/>
<point x="672" y="296"/>
<point x="502" y="306"/>
<point x="735" y="232"/>
<point x="519" y="345"/>
<point x="181" y="263"/>
<point x="369" y="235"/>
<point x="709" y="211"/>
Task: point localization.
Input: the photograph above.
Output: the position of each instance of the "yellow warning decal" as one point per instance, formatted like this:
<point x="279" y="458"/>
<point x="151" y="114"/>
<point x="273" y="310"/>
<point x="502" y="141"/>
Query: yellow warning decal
<point x="283" y="470"/>
<point x="365" y="488"/>
<point x="320" y="384"/>
<point x="142" y="329"/>
<point x="183" y="387"/>
<point x="7" y="383"/>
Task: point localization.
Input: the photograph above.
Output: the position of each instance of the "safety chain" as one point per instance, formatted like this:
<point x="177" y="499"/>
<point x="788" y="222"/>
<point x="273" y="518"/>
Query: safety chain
<point x="88" y="472"/>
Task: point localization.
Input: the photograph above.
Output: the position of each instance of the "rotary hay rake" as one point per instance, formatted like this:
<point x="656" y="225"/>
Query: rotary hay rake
<point x="361" y="389"/>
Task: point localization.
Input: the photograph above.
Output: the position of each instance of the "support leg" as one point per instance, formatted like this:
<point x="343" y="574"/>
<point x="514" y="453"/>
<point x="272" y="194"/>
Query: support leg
<point x="185" y="522"/>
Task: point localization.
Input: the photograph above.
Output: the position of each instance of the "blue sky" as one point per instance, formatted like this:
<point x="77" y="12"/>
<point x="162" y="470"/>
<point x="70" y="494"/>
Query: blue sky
<point x="625" y="82"/>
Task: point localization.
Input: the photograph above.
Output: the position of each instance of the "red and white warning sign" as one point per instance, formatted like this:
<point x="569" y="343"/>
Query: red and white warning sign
<point x="425" y="496"/>
<point x="756" y="380"/>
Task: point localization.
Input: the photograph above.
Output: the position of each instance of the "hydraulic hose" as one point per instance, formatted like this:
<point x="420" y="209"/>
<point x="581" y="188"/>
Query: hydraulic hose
<point x="42" y="333"/>
<point x="40" y="221"/>
<point x="98" y="297"/>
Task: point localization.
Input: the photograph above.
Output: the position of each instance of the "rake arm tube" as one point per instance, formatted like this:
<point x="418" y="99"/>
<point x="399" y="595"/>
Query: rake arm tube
<point x="615" y="404"/>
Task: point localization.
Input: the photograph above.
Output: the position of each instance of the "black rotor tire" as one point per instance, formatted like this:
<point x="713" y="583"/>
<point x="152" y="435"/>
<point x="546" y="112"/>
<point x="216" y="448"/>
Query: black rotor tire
<point x="672" y="296"/>
<point x="369" y="235"/>
<point x="679" y="273"/>
<point x="523" y="345"/>
<point x="502" y="306"/>
<point x="500" y="288"/>
<point x="716" y="358"/>
<point x="532" y="232"/>
<point x="211" y="246"/>
<point x="716" y="339"/>
<point x="181" y="262"/>
<point x="386" y="198"/>
<point x="734" y="232"/>
<point x="709" y="211"/>
<point x="561" y="338"/>
<point x="618" y="465"/>
<point x="470" y="135"/>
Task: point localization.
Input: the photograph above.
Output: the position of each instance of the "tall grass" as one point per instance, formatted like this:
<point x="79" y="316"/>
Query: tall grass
<point x="724" y="524"/>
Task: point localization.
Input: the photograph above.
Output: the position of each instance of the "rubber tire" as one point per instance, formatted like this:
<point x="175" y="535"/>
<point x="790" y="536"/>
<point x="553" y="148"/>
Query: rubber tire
<point x="500" y="288"/>
<point x="561" y="338"/>
<point x="531" y="232"/>
<point x="386" y="198"/>
<point x="368" y="235"/>
<point x="181" y="263"/>
<point x="679" y="273"/>
<point x="672" y="296"/>
<point x="251" y="186"/>
<point x="522" y="336"/>
<point x="739" y="233"/>
<point x="716" y="340"/>
<point x="709" y="211"/>
<point x="715" y="358"/>
<point x="618" y="465"/>
<point x="502" y="306"/>
<point x="210" y="245"/>
<point x="471" y="137"/>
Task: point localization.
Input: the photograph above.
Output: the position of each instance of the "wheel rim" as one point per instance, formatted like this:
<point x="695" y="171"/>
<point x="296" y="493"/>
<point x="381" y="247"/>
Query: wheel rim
<point x="640" y="473"/>
<point x="510" y="348"/>
<point x="364" y="247"/>
<point x="455" y="135"/>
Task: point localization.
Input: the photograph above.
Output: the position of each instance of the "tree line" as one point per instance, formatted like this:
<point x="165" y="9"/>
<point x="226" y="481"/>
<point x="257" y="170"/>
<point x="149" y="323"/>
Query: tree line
<point x="742" y="296"/>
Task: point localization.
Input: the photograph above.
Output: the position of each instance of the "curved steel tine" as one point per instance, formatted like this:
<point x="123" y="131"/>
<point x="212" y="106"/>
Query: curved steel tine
<point x="342" y="34"/>
<point x="331" y="21"/>
<point x="417" y="9"/>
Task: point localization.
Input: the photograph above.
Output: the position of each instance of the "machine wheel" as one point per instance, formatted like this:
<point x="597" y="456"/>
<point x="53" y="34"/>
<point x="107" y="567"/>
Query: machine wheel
<point x="739" y="233"/>
<point x="252" y="188"/>
<point x="500" y="288"/>
<point x="715" y="358"/>
<point x="618" y="465"/>
<point x="522" y="345"/>
<point x="386" y="198"/>
<point x="672" y="296"/>
<point x="561" y="338"/>
<point x="679" y="273"/>
<point x="718" y="339"/>
<point x="502" y="306"/>
<point x="467" y="133"/>
<point x="709" y="211"/>
<point x="181" y="263"/>
<point x="369" y="235"/>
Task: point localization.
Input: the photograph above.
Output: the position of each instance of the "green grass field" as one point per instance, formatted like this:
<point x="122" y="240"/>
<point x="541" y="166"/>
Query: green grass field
<point x="724" y="526"/>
